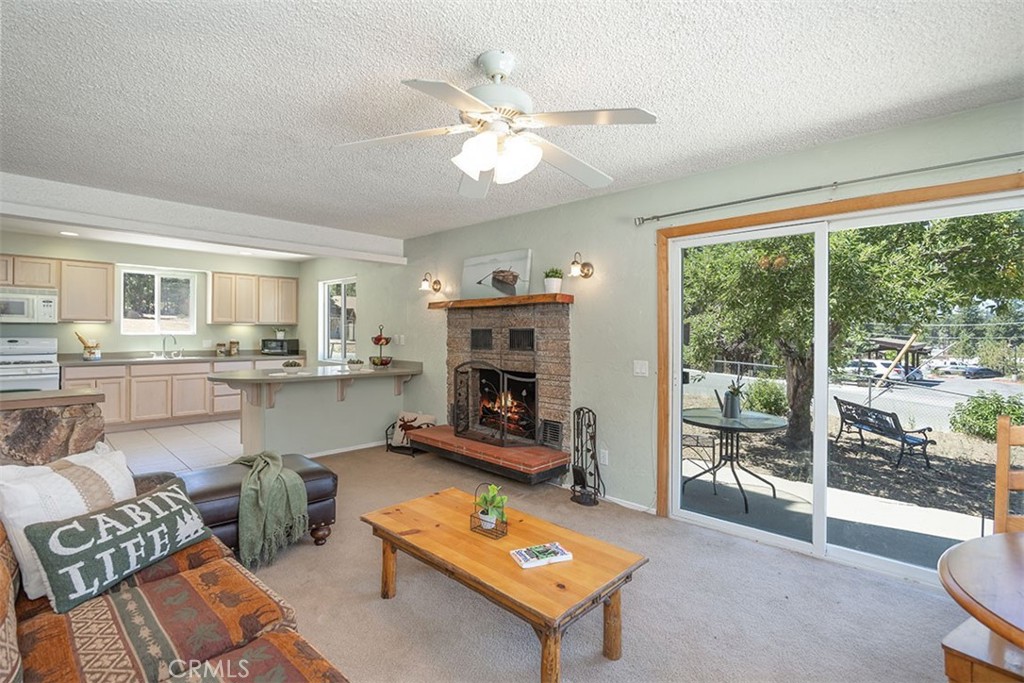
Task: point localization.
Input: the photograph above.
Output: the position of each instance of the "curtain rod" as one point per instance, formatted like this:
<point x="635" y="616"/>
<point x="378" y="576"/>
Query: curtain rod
<point x="640" y="220"/>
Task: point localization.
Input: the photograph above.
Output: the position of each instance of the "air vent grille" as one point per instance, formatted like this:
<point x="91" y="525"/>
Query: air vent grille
<point x="551" y="433"/>
<point x="520" y="339"/>
<point x="481" y="339"/>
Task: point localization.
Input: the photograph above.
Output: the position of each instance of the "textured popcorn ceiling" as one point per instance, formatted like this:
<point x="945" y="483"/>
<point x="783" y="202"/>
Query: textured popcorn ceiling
<point x="236" y="105"/>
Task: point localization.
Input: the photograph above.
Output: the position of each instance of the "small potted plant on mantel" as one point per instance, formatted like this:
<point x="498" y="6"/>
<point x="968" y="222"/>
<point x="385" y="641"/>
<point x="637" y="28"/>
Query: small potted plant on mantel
<point x="553" y="280"/>
<point x="492" y="506"/>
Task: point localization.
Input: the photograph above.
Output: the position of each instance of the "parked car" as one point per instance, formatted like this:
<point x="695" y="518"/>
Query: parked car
<point x="874" y="368"/>
<point x="977" y="372"/>
<point x="952" y="367"/>
<point x="915" y="375"/>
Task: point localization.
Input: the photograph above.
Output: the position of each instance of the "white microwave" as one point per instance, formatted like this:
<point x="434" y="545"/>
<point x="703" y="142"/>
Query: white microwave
<point x="22" y="305"/>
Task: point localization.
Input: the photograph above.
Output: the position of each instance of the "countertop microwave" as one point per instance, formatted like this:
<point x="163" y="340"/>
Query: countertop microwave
<point x="279" y="347"/>
<point x="24" y="305"/>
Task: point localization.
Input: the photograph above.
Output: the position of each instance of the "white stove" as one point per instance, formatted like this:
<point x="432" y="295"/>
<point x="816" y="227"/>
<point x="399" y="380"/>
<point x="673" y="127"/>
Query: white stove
<point x="28" y="364"/>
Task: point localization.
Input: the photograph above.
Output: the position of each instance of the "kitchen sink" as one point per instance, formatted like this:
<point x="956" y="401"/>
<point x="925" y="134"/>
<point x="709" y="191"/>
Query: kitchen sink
<point x="170" y="358"/>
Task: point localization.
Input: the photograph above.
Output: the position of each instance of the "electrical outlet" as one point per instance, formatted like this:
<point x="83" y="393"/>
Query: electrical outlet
<point x="401" y="340"/>
<point x="640" y="368"/>
<point x="602" y="456"/>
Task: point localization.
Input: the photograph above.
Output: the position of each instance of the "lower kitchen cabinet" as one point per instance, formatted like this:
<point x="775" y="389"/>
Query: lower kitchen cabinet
<point x="165" y="390"/>
<point x="224" y="399"/>
<point x="110" y="379"/>
<point x="150" y="398"/>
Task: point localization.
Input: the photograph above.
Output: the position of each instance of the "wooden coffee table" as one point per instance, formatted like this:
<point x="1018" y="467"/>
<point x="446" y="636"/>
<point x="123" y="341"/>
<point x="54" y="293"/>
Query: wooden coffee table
<point x="435" y="530"/>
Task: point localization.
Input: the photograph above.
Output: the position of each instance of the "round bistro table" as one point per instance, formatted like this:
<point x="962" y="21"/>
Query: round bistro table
<point x="729" y="431"/>
<point x="986" y="577"/>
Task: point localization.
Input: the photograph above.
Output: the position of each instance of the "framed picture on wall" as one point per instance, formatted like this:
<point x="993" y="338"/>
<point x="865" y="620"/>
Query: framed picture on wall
<point x="504" y="274"/>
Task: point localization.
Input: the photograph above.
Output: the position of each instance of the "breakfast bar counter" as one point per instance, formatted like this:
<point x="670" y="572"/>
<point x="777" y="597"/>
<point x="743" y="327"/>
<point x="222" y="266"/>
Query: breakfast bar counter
<point x="318" y="409"/>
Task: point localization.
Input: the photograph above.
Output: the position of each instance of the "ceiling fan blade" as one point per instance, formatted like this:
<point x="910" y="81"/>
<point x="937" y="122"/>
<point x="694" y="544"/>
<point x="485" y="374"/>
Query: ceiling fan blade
<point x="446" y="92"/>
<point x="431" y="132"/>
<point x="587" y="117"/>
<point x="568" y="164"/>
<point x="475" y="189"/>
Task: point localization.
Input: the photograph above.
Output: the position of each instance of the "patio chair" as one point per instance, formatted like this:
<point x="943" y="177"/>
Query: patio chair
<point x="1007" y="479"/>
<point x="705" y="447"/>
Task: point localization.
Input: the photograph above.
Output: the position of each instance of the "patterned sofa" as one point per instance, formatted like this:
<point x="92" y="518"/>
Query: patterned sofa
<point x="197" y="615"/>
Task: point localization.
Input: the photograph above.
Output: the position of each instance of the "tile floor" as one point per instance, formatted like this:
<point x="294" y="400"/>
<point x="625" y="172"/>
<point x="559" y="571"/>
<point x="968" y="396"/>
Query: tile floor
<point x="179" y="449"/>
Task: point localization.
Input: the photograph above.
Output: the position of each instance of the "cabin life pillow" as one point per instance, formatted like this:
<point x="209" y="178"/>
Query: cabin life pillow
<point x="70" y="486"/>
<point x="85" y="555"/>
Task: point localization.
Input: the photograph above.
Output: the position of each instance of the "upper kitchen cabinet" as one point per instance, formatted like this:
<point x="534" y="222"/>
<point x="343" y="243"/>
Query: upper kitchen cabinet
<point x="86" y="291"/>
<point x="233" y="298"/>
<point x="279" y="300"/>
<point x="29" y="271"/>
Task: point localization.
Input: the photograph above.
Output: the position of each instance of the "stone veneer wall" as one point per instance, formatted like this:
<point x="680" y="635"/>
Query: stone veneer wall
<point x="37" y="436"/>
<point x="550" y="360"/>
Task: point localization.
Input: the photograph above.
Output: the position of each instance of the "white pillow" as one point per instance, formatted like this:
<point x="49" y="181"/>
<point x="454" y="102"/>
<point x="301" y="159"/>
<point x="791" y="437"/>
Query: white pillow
<point x="71" y="486"/>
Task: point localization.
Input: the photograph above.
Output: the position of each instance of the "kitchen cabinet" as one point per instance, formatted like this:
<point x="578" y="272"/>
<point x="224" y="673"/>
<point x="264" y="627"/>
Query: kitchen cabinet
<point x="86" y="291"/>
<point x="189" y="395"/>
<point x="224" y="399"/>
<point x="165" y="390"/>
<point x="150" y="398"/>
<point x="111" y="380"/>
<point x="233" y="298"/>
<point x="278" y="300"/>
<point x="29" y="271"/>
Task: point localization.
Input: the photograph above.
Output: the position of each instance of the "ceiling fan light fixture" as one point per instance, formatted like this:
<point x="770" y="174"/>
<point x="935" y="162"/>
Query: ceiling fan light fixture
<point x="518" y="157"/>
<point x="479" y="154"/>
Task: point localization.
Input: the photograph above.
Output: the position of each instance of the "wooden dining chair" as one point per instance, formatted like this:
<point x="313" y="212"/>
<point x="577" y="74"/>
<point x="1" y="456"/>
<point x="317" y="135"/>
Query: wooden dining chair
<point x="1007" y="480"/>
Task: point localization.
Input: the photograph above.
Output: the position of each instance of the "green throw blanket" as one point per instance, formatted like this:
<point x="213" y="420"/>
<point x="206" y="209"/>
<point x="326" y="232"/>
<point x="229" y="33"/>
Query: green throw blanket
<point x="272" y="509"/>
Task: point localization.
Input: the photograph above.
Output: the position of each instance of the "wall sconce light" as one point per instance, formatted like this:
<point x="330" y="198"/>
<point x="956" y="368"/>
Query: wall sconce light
<point x="429" y="285"/>
<point x="578" y="269"/>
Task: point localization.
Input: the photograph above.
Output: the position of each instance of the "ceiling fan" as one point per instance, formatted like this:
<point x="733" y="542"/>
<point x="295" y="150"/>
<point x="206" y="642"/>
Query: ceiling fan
<point x="504" y="148"/>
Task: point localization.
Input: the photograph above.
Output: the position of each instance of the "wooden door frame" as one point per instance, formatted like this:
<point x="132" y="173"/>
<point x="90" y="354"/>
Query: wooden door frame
<point x="899" y="198"/>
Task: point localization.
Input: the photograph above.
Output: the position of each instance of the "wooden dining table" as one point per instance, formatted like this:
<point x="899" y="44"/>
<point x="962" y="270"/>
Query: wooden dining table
<point x="986" y="577"/>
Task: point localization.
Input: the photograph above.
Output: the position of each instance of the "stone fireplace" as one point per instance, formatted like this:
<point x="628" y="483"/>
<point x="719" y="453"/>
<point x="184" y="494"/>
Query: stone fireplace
<point x="509" y="370"/>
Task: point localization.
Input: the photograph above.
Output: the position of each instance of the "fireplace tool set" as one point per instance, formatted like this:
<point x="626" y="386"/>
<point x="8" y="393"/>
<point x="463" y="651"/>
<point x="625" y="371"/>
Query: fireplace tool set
<point x="587" y="485"/>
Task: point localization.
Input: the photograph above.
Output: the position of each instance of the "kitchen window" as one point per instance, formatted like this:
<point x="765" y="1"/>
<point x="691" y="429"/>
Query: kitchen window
<point x="337" y="319"/>
<point x="157" y="301"/>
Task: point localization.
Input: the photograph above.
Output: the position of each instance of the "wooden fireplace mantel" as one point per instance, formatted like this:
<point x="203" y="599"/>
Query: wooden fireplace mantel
<point x="525" y="300"/>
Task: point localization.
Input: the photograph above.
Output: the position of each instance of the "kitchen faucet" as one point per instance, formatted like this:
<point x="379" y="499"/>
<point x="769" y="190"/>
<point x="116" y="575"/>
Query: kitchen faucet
<point x="163" y="345"/>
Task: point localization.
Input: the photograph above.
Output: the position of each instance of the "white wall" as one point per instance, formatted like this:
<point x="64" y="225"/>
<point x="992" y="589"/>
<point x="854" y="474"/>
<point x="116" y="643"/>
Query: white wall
<point x="614" y="318"/>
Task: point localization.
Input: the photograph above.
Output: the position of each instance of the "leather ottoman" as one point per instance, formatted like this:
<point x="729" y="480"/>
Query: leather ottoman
<point x="215" y="492"/>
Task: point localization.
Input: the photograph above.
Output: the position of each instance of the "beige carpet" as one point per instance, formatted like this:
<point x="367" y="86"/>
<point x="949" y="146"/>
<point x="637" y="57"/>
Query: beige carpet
<point x="707" y="607"/>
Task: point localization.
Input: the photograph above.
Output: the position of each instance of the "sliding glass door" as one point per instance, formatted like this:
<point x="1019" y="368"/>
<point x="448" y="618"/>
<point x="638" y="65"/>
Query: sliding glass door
<point x="746" y="328"/>
<point x="869" y="354"/>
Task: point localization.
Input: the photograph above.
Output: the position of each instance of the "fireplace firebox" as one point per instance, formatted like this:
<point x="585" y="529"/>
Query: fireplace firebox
<point x="495" y="406"/>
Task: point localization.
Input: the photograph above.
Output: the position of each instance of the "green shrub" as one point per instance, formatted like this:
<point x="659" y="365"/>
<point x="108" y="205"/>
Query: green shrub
<point x="977" y="415"/>
<point x="767" y="396"/>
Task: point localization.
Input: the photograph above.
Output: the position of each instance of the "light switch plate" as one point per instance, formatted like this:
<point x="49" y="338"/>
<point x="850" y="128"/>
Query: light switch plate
<point x="640" y="368"/>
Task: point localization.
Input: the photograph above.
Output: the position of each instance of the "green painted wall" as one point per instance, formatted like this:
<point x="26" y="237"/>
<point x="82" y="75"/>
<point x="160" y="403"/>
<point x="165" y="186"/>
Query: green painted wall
<point x="614" y="318"/>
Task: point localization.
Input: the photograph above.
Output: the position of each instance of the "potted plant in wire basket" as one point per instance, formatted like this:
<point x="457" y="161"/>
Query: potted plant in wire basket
<point x="490" y="511"/>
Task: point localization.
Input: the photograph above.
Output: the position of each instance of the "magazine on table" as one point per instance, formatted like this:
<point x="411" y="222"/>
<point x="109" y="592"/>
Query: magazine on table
<point x="540" y="555"/>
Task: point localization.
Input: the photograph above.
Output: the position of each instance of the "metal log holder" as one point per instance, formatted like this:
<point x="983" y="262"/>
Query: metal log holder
<point x="587" y="485"/>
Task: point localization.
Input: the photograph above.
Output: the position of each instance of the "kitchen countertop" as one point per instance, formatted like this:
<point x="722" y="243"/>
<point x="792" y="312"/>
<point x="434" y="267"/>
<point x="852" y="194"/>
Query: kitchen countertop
<point x="398" y="368"/>
<point x="70" y="360"/>
<point x="19" y="400"/>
